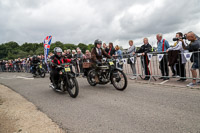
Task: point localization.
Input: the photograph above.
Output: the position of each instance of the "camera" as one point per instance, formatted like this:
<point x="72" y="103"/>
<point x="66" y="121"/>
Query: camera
<point x="176" y="39"/>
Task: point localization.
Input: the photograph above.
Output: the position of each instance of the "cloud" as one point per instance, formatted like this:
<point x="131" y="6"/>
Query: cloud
<point x="86" y="20"/>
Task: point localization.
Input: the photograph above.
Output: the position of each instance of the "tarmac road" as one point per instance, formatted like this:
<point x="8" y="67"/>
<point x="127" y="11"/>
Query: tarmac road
<point x="141" y="108"/>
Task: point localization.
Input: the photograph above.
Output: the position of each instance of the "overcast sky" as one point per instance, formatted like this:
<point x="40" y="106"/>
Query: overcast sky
<point x="83" y="21"/>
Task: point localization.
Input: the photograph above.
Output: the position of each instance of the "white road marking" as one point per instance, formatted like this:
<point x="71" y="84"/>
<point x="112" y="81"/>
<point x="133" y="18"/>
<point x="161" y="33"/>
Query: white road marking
<point x="15" y="77"/>
<point x="164" y="82"/>
<point x="23" y="77"/>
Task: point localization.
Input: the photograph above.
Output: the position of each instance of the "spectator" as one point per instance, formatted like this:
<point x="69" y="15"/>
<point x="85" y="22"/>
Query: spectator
<point x="131" y="50"/>
<point x="182" y="62"/>
<point x="118" y="55"/>
<point x="27" y="64"/>
<point x="0" y="66"/>
<point x="21" y="65"/>
<point x="65" y="51"/>
<point x="105" y="47"/>
<point x="17" y="65"/>
<point x="68" y="54"/>
<point x="30" y="62"/>
<point x="163" y="45"/>
<point x="77" y="49"/>
<point x="144" y="49"/>
<point x="10" y="69"/>
<point x="4" y="65"/>
<point x="74" y="56"/>
<point x="193" y="47"/>
<point x="111" y="50"/>
<point x="174" y="69"/>
<point x="24" y="64"/>
<point x="86" y="58"/>
<point x="80" y="60"/>
<point x="87" y="55"/>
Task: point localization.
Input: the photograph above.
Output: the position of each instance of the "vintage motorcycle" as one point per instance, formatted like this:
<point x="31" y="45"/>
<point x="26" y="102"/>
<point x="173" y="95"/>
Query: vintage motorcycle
<point x="67" y="81"/>
<point x="107" y="72"/>
<point x="39" y="71"/>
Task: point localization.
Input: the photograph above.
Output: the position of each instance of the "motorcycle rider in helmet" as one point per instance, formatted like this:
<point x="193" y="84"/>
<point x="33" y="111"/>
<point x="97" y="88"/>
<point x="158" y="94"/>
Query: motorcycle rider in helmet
<point x="97" y="54"/>
<point x="35" y="60"/>
<point x="57" y="60"/>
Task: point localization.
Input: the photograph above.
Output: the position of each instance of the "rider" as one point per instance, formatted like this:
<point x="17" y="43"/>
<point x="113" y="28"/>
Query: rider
<point x="35" y="60"/>
<point x="97" y="54"/>
<point x="57" y="60"/>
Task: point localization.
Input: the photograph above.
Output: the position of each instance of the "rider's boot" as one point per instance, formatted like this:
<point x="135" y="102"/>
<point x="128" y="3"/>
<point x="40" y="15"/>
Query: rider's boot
<point x="96" y="79"/>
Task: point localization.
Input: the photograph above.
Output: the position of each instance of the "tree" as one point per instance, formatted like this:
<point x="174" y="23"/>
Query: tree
<point x="83" y="47"/>
<point x="56" y="44"/>
<point x="39" y="51"/>
<point x="3" y="51"/>
<point x="90" y="46"/>
<point x="69" y="46"/>
<point x="11" y="50"/>
<point x="6" y="48"/>
<point x="27" y="47"/>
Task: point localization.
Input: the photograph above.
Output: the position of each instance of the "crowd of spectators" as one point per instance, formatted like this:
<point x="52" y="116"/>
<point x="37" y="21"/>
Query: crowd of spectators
<point x="173" y="57"/>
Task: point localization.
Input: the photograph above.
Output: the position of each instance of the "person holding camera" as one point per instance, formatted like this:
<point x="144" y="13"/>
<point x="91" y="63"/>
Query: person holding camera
<point x="182" y="60"/>
<point x="163" y="45"/>
<point x="193" y="47"/>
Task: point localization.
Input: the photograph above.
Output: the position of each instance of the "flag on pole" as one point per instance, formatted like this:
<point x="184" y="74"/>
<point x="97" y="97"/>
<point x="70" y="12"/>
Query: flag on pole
<point x="47" y="43"/>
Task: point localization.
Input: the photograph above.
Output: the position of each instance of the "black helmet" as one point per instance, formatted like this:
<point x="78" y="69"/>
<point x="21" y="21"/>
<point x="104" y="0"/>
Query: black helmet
<point x="97" y="42"/>
<point x="57" y="50"/>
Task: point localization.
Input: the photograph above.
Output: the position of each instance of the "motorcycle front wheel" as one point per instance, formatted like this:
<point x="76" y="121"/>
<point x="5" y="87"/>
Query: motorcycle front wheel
<point x="72" y="87"/>
<point x="91" y="77"/>
<point x="42" y="73"/>
<point x="119" y="80"/>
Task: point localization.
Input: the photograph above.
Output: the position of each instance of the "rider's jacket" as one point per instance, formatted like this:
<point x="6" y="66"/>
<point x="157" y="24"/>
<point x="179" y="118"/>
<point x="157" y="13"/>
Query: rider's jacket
<point x="97" y="54"/>
<point x="58" y="61"/>
<point x="35" y="60"/>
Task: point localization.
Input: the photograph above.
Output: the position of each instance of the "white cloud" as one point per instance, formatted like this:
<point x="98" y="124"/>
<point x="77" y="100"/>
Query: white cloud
<point x="86" y="20"/>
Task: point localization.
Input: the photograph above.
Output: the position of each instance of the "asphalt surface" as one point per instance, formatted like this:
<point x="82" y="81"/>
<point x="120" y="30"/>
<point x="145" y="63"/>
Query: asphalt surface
<point x="141" y="108"/>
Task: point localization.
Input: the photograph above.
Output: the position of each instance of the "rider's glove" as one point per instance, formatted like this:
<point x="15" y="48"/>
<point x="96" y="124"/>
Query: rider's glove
<point x="58" y="66"/>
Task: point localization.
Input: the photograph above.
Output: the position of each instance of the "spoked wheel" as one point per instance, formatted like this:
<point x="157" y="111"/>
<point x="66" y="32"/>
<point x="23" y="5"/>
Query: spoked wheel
<point x="73" y="87"/>
<point x="119" y="80"/>
<point x="91" y="77"/>
<point x="42" y="73"/>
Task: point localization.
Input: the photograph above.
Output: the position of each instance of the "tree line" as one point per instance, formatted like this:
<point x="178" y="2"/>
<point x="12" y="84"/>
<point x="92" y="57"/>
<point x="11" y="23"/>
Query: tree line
<point x="12" y="50"/>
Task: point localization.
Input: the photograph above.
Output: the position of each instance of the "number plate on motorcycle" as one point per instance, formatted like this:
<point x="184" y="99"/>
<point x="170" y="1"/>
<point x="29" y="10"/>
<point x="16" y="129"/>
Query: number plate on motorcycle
<point x="40" y="66"/>
<point x="111" y="63"/>
<point x="67" y="69"/>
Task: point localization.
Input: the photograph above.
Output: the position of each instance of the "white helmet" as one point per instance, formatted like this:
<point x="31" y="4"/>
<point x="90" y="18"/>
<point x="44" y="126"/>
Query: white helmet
<point x="58" y="50"/>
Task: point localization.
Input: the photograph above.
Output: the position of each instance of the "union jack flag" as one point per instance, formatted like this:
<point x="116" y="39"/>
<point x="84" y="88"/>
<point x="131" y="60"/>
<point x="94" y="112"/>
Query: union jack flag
<point x="47" y="43"/>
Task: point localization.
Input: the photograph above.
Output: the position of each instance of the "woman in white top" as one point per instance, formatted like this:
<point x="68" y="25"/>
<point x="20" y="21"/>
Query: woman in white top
<point x="130" y="52"/>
